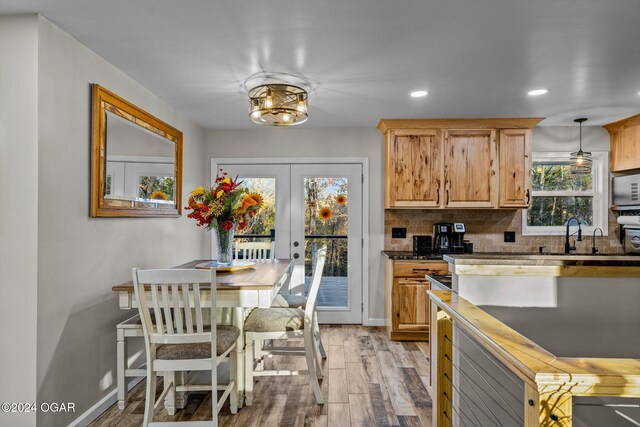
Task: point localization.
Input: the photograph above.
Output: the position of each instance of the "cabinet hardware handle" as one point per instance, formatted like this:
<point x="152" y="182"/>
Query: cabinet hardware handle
<point x="416" y="270"/>
<point x="528" y="196"/>
<point x="447" y="197"/>
<point x="438" y="196"/>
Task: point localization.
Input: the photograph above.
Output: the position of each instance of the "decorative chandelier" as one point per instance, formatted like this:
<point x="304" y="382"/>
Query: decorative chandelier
<point x="278" y="104"/>
<point x="581" y="161"/>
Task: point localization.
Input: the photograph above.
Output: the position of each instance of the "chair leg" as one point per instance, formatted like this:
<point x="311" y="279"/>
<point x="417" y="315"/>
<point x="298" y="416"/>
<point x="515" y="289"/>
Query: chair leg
<point x="121" y="367"/>
<point x="170" y="399"/>
<point x="316" y="333"/>
<point x="150" y="398"/>
<point x="248" y="369"/>
<point x="309" y="352"/>
<point x="233" y="366"/>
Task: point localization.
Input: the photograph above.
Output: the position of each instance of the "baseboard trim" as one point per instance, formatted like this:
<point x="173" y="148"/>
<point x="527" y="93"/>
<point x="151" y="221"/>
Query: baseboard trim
<point x="375" y="322"/>
<point x="102" y="405"/>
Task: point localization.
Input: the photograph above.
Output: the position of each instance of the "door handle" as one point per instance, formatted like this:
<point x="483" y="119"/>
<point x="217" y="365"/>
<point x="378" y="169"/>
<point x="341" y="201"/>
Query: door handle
<point x="296" y="244"/>
<point x="296" y="255"/>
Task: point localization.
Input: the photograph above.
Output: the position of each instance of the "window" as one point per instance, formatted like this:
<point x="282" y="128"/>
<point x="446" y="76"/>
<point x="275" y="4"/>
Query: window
<point x="557" y="196"/>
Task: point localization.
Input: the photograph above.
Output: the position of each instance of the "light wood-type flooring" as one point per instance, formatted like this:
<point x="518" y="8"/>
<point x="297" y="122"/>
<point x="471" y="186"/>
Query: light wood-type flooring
<point x="369" y="381"/>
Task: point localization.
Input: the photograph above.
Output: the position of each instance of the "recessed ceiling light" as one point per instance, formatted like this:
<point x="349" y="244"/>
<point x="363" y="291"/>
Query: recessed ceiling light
<point x="537" y="92"/>
<point x="419" y="93"/>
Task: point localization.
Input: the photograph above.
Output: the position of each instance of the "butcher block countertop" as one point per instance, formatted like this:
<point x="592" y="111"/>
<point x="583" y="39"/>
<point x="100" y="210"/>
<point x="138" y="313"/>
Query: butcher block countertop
<point x="527" y="264"/>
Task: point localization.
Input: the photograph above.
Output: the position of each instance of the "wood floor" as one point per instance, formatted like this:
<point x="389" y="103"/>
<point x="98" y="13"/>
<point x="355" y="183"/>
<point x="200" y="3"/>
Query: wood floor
<point x="369" y="381"/>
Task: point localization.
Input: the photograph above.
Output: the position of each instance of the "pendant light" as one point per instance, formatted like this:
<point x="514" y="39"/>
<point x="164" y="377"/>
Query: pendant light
<point x="581" y="161"/>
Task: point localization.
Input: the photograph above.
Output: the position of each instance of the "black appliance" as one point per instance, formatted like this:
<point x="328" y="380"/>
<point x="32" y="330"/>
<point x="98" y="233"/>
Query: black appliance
<point x="448" y="238"/>
<point x="422" y="245"/>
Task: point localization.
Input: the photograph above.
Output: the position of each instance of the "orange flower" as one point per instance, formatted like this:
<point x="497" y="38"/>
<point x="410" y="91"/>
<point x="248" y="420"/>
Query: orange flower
<point x="325" y="214"/>
<point x="341" y="199"/>
<point x="158" y="195"/>
<point x="192" y="203"/>
<point x="251" y="200"/>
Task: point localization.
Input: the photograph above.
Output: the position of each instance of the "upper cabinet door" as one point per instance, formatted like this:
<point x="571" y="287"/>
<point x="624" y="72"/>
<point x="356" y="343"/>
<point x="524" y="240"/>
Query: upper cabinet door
<point x="515" y="168"/>
<point x="470" y="169"/>
<point x="625" y="144"/>
<point x="413" y="169"/>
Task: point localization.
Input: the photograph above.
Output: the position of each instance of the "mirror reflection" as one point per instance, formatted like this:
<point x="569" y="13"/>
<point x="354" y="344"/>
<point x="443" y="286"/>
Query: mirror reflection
<point x="140" y="164"/>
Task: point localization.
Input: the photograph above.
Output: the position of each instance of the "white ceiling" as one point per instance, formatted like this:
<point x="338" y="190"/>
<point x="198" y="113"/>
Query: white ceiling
<point x="477" y="58"/>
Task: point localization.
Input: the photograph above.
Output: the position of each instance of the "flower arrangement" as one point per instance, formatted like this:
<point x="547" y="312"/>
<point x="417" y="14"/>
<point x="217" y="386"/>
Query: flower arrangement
<point x="224" y="205"/>
<point x="223" y="208"/>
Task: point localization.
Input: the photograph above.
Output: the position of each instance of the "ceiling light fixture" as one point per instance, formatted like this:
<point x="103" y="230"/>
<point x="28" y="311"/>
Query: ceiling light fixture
<point x="419" y="93"/>
<point x="581" y="160"/>
<point x="538" y="92"/>
<point x="278" y="104"/>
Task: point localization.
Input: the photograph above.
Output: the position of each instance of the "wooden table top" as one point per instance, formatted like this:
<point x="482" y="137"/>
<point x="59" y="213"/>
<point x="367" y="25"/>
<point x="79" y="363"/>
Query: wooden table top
<point x="262" y="277"/>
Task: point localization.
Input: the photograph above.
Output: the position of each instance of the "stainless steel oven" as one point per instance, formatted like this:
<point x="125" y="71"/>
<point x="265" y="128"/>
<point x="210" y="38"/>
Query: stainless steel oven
<point x="632" y="240"/>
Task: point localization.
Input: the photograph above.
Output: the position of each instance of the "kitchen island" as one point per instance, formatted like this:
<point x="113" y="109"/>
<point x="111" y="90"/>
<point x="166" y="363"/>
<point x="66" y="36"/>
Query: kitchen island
<point x="487" y="371"/>
<point x="537" y="280"/>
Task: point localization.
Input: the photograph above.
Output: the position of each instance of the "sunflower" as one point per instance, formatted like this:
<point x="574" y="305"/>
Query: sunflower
<point x="341" y="199"/>
<point x="198" y="192"/>
<point x="325" y="214"/>
<point x="159" y="195"/>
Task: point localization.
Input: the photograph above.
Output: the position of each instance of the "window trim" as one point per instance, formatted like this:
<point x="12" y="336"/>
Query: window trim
<point x="600" y="193"/>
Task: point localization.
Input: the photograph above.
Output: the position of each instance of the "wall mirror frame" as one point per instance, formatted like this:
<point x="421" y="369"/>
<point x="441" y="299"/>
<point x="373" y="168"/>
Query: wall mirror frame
<point x="145" y="135"/>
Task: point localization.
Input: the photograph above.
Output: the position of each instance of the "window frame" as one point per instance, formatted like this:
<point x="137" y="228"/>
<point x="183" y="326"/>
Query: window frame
<point x="600" y="193"/>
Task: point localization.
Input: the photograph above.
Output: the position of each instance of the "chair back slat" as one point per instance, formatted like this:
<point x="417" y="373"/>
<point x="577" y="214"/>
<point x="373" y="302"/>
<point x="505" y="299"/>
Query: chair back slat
<point x="198" y="308"/>
<point x="187" y="309"/>
<point x="177" y="309"/>
<point x="315" y="282"/>
<point x="166" y="310"/>
<point x="172" y="293"/>
<point x="157" y="310"/>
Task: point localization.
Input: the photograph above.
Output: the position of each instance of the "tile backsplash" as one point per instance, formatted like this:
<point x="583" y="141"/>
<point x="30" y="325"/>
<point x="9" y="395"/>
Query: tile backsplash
<point x="485" y="229"/>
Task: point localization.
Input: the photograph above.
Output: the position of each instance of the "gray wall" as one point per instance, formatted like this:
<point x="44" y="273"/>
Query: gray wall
<point x="81" y="258"/>
<point x="565" y="138"/>
<point x="303" y="142"/>
<point x="18" y="212"/>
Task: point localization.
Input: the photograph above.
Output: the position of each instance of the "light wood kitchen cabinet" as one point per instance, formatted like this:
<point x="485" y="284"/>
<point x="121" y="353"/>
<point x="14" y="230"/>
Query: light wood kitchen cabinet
<point x="413" y="165"/>
<point x="514" y="147"/>
<point x="625" y="144"/>
<point x="470" y="175"/>
<point x="457" y="163"/>
<point x="406" y="301"/>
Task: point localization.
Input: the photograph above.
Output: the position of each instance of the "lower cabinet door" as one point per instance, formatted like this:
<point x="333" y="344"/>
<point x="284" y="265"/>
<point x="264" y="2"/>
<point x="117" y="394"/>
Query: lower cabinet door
<point x="410" y="305"/>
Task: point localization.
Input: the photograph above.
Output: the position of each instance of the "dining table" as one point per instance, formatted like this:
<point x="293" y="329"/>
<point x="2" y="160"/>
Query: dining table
<point x="240" y="291"/>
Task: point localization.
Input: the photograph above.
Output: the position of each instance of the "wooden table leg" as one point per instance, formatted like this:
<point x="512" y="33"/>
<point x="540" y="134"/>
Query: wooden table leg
<point x="238" y="321"/>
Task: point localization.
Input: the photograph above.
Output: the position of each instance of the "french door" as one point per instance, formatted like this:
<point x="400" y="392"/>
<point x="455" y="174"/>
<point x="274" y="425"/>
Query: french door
<point x="308" y="206"/>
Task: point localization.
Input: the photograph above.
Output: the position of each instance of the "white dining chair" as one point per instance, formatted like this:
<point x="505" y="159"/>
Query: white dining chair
<point x="181" y="339"/>
<point x="254" y="250"/>
<point x="284" y="323"/>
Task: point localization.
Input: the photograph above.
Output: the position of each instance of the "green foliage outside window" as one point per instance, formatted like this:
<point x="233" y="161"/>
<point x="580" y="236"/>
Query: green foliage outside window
<point x="556" y="209"/>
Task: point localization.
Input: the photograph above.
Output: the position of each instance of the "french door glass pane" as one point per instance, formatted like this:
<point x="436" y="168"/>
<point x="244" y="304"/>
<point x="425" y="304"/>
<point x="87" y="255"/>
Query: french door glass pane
<point x="261" y="226"/>
<point x="326" y="223"/>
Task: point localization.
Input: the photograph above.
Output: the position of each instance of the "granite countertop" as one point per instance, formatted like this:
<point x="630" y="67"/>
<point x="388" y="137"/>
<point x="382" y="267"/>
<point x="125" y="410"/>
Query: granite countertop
<point x="408" y="255"/>
<point x="444" y="280"/>
<point x="529" y="259"/>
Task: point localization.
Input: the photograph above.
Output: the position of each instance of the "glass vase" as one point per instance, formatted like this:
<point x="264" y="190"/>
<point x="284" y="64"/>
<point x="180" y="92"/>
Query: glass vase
<point x="224" y="241"/>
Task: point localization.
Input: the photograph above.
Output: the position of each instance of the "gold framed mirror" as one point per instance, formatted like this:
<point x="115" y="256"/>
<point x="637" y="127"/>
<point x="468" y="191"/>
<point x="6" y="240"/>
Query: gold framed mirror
<point x="136" y="160"/>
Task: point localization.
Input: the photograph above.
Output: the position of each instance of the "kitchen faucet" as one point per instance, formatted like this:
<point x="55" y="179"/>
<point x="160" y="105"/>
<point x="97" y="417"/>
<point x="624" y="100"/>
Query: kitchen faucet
<point x="567" y="246"/>
<point x="594" y="250"/>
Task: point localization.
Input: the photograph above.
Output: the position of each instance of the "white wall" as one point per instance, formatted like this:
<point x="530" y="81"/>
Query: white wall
<point x="304" y="142"/>
<point x="566" y="138"/>
<point x="81" y="258"/>
<point x="18" y="212"/>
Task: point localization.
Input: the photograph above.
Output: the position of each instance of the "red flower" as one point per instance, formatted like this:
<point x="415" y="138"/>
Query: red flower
<point x="242" y="225"/>
<point x="227" y="225"/>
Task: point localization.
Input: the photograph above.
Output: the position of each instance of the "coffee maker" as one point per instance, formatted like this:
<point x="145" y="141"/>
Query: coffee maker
<point x="448" y="237"/>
